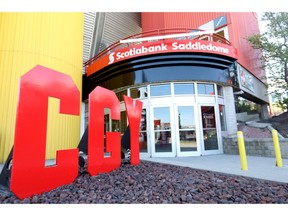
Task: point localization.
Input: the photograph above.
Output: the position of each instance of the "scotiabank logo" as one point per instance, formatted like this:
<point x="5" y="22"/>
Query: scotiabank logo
<point x="29" y="175"/>
<point x="111" y="58"/>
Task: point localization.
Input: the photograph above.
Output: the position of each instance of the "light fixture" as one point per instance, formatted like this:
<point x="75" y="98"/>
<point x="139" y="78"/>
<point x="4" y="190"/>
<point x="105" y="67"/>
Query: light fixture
<point x="166" y="36"/>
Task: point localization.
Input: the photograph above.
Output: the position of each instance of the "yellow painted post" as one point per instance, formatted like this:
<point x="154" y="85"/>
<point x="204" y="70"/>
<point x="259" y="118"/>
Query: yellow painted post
<point x="242" y="152"/>
<point x="277" y="148"/>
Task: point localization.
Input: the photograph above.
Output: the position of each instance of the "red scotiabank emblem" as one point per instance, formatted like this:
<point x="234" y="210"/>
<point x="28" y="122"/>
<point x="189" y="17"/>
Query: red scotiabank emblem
<point x="29" y="175"/>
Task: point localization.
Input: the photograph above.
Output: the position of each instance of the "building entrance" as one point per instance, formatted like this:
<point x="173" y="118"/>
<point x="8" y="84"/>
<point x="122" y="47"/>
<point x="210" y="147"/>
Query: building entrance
<point x="176" y="121"/>
<point x="180" y="127"/>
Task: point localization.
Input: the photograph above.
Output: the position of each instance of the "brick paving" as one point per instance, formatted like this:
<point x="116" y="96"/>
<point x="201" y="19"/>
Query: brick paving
<point x="253" y="132"/>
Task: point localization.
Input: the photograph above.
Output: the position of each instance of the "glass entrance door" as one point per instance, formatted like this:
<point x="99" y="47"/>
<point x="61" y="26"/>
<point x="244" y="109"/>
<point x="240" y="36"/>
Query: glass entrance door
<point x="162" y="136"/>
<point x="186" y="131"/>
<point x="209" y="130"/>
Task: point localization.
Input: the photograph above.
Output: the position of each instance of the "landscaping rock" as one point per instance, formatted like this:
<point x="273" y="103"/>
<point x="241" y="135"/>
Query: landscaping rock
<point x="159" y="183"/>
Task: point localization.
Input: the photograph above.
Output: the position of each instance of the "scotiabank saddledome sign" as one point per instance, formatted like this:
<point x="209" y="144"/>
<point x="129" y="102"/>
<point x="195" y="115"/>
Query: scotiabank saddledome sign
<point x="167" y="46"/>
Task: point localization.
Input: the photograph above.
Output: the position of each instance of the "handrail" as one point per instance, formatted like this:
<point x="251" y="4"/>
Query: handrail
<point x="117" y="45"/>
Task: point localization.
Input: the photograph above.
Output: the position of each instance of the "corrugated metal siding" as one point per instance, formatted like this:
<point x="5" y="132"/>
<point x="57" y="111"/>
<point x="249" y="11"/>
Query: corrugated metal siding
<point x="160" y="20"/>
<point x="54" y="40"/>
<point x="97" y="42"/>
<point x="189" y="20"/>
<point x="89" y="24"/>
<point x="243" y="25"/>
<point x="119" y="25"/>
<point x="152" y="21"/>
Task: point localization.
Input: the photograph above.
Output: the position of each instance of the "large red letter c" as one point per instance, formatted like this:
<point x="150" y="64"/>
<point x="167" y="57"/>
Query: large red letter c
<point x="29" y="175"/>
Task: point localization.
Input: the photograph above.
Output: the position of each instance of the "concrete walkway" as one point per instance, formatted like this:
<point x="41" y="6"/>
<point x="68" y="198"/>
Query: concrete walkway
<point x="258" y="167"/>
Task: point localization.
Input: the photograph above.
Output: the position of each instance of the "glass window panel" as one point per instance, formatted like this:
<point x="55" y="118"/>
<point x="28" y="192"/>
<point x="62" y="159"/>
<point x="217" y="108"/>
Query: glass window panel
<point x="210" y="139"/>
<point x="183" y="88"/>
<point x="220" y="90"/>
<point x="217" y="36"/>
<point x="86" y="113"/>
<point x="162" y="133"/>
<point x="163" y="141"/>
<point x="222" y="117"/>
<point x="143" y="122"/>
<point x="106" y="123"/>
<point x="162" y="118"/>
<point x="143" y="133"/>
<point x="143" y="142"/>
<point x="160" y="90"/>
<point x="123" y="122"/>
<point x="209" y="128"/>
<point x="188" y="141"/>
<point x="121" y="94"/>
<point x="186" y="122"/>
<point x="207" y="89"/>
<point x="115" y="126"/>
<point x="186" y="118"/>
<point x="201" y="88"/>
<point x="140" y="92"/>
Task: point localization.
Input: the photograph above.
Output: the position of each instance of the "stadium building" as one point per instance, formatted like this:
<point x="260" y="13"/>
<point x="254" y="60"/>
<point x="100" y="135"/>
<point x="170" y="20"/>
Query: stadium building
<point x="190" y="70"/>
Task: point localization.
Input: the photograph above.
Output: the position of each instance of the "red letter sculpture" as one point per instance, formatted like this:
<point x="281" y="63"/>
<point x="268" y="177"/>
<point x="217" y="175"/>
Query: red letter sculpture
<point x="99" y="99"/>
<point x="29" y="175"/>
<point x="134" y="110"/>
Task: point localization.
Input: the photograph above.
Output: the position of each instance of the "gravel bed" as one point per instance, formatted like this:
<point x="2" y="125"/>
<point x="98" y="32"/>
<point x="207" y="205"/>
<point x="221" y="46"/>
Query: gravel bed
<point x="151" y="182"/>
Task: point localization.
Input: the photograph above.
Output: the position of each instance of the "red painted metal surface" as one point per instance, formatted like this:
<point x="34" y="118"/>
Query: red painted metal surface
<point x="29" y="175"/>
<point x="161" y="20"/>
<point x="240" y="26"/>
<point x="244" y="24"/>
<point x="134" y="110"/>
<point x="99" y="99"/>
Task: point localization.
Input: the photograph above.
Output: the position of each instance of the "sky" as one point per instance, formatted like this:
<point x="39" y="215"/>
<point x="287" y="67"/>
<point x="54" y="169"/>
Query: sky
<point x="141" y="5"/>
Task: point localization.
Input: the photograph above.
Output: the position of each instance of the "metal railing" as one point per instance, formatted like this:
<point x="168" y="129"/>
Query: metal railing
<point x="160" y="32"/>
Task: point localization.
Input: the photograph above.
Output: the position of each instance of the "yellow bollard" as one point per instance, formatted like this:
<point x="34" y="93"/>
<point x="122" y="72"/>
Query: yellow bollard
<point x="277" y="148"/>
<point x="242" y="152"/>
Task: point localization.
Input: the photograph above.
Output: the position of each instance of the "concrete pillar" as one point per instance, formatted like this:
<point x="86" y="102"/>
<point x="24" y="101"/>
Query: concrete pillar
<point x="264" y="112"/>
<point x="230" y="111"/>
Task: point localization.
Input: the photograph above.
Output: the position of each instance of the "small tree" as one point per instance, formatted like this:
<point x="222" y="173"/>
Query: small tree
<point x="274" y="45"/>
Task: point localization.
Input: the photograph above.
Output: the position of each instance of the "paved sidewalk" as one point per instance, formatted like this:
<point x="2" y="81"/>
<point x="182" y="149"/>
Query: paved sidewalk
<point x="258" y="167"/>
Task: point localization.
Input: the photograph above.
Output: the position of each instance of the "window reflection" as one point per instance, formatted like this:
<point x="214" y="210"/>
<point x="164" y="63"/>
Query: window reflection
<point x="140" y="92"/>
<point x="183" y="88"/>
<point x="222" y="117"/>
<point x="187" y="132"/>
<point x="209" y="128"/>
<point x="162" y="129"/>
<point x="220" y="90"/>
<point x="207" y="89"/>
<point x="186" y="117"/>
<point x="121" y="94"/>
<point x="160" y="90"/>
<point x="143" y="132"/>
